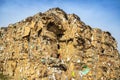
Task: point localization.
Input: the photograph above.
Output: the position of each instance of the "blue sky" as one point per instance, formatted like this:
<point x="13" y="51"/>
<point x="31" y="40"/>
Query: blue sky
<point x="104" y="14"/>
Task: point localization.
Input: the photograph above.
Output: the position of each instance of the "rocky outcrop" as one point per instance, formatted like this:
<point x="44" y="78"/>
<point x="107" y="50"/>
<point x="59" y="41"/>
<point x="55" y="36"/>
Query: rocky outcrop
<point x="57" y="46"/>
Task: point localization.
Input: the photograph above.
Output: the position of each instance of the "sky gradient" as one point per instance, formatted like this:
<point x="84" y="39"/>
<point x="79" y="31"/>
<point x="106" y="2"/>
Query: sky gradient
<point x="103" y="14"/>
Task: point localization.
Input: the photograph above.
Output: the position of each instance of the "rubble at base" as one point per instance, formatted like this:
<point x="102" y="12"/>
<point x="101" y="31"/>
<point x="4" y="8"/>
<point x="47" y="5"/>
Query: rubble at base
<point x="57" y="46"/>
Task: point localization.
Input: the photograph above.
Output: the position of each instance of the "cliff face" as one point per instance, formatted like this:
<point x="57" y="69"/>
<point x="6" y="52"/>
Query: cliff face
<point x="57" y="46"/>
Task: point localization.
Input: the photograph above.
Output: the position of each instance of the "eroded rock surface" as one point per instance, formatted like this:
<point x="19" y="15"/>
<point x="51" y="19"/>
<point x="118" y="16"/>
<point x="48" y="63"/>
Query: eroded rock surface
<point x="57" y="46"/>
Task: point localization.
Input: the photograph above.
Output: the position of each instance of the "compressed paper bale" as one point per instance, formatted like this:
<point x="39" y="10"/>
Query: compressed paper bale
<point x="96" y="44"/>
<point x="32" y="25"/>
<point x="87" y="44"/>
<point x="90" y="52"/>
<point x="26" y="31"/>
<point x="106" y="38"/>
<point x="39" y="26"/>
<point x="97" y="34"/>
<point x="9" y="69"/>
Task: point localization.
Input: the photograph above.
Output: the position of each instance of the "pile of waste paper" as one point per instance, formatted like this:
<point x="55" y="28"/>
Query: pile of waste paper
<point x="55" y="45"/>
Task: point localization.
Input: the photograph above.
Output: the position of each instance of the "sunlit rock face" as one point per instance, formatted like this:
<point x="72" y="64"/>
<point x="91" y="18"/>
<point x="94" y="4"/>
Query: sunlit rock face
<point x="55" y="45"/>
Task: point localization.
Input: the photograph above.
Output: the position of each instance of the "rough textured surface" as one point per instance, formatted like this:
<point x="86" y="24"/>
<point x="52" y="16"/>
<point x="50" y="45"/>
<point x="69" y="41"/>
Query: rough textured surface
<point x="57" y="46"/>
